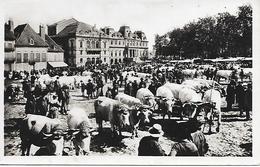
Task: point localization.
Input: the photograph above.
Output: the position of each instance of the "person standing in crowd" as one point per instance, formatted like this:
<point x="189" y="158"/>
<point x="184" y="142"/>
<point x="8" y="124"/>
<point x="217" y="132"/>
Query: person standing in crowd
<point x="184" y="145"/>
<point x="152" y="87"/>
<point x="82" y="86"/>
<point x="241" y="74"/>
<point x="109" y="92"/>
<point x="114" y="91"/>
<point x="231" y="90"/>
<point x="89" y="88"/>
<point x="149" y="145"/>
<point x="135" y="88"/>
<point x="54" y="106"/>
<point x="142" y="84"/>
<point x="248" y="100"/>
<point x="100" y="86"/>
<point x="198" y="137"/>
<point x="240" y="97"/>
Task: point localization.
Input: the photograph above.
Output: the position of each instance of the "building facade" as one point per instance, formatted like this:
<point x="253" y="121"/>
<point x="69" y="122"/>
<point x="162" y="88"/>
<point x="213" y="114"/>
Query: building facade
<point x="84" y="44"/>
<point x="26" y="50"/>
<point x="9" y="46"/>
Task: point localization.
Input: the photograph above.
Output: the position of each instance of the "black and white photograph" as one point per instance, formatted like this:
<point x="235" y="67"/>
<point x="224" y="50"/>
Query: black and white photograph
<point x="130" y="82"/>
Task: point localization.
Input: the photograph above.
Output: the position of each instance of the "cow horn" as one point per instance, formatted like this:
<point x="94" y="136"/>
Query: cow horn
<point x="46" y="136"/>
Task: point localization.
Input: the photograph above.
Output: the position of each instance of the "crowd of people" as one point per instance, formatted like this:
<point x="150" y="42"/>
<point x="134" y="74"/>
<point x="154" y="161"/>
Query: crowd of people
<point x="189" y="141"/>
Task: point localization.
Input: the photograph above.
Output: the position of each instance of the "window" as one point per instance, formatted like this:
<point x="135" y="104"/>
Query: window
<point x="31" y="57"/>
<point x="123" y="42"/>
<point x="81" y="60"/>
<point x="44" y="57"/>
<point x="31" y="41"/>
<point x="81" y="43"/>
<point x="115" y="42"/>
<point x="104" y="52"/>
<point x="115" y="53"/>
<point x="37" y="57"/>
<point x="93" y="44"/>
<point x="88" y="44"/>
<point x="105" y="59"/>
<point x="119" y="43"/>
<point x="25" y="58"/>
<point x="97" y="44"/>
<point x="81" y="52"/>
<point x="112" y="53"/>
<point x="105" y="44"/>
<point x="119" y="53"/>
<point x="111" y="42"/>
<point x="18" y="58"/>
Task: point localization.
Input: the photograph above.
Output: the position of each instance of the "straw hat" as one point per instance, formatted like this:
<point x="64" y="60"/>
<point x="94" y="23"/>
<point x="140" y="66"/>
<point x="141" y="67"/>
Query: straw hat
<point x="156" y="130"/>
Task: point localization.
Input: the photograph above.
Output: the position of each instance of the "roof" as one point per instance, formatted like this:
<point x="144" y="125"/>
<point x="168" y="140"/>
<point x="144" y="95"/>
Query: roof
<point x="62" y="21"/>
<point x="53" y="46"/>
<point x="24" y="33"/>
<point x="77" y="28"/>
<point x="9" y="35"/>
<point x="57" y="64"/>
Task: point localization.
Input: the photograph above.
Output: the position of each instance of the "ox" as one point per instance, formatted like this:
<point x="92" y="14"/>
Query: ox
<point x="139" y="113"/>
<point x="213" y="97"/>
<point x="41" y="131"/>
<point x="79" y="130"/>
<point x="128" y="100"/>
<point x="146" y="97"/>
<point x="113" y="111"/>
<point x="165" y="100"/>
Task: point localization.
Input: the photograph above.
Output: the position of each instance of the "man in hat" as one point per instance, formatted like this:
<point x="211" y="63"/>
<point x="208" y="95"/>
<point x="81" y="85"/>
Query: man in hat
<point x="230" y="94"/>
<point x="240" y="96"/>
<point x="197" y="136"/>
<point x="149" y="145"/>
<point x="184" y="145"/>
<point x="247" y="100"/>
<point x="89" y="88"/>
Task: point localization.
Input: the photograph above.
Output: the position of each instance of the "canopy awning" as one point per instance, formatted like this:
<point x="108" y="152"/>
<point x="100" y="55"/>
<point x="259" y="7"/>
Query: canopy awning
<point x="57" y="64"/>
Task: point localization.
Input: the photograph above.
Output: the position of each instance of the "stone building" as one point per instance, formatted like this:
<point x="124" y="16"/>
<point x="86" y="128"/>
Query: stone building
<point x="84" y="44"/>
<point x="26" y="50"/>
<point x="9" y="46"/>
<point x="31" y="49"/>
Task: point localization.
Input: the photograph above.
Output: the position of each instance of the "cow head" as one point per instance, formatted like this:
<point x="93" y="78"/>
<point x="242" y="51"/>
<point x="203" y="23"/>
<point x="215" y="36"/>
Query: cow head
<point x="144" y="115"/>
<point x="123" y="115"/>
<point x="148" y="100"/>
<point x="56" y="144"/>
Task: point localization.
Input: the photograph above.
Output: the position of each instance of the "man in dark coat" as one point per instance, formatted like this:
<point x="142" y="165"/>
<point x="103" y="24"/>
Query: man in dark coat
<point x="248" y="101"/>
<point x="135" y="88"/>
<point x="240" y="97"/>
<point x="184" y="145"/>
<point x="142" y="84"/>
<point x="89" y="88"/>
<point x="149" y="145"/>
<point x="230" y="94"/>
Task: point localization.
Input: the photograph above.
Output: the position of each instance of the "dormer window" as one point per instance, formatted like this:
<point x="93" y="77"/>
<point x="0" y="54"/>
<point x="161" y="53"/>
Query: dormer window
<point x="31" y="41"/>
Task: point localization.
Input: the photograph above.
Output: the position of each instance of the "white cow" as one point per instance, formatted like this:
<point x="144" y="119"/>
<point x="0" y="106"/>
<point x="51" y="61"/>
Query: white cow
<point x="146" y="97"/>
<point x="175" y="88"/>
<point x="128" y="100"/>
<point x="165" y="100"/>
<point x="80" y="127"/>
<point x="213" y="97"/>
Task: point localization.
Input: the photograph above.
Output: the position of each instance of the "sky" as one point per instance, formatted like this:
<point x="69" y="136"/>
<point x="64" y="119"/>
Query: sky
<point x="151" y="16"/>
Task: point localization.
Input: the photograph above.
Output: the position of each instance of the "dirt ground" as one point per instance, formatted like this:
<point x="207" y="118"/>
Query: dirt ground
<point x="234" y="139"/>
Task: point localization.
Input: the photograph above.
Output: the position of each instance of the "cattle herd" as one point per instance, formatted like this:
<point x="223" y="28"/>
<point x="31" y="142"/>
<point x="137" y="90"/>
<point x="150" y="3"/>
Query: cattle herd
<point x="133" y="100"/>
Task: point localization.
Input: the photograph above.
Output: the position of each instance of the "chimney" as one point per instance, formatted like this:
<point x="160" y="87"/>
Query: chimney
<point x="11" y="25"/>
<point x="42" y="31"/>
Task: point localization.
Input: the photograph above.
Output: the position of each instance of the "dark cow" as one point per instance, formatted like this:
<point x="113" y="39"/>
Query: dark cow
<point x="41" y="131"/>
<point x="113" y="111"/>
